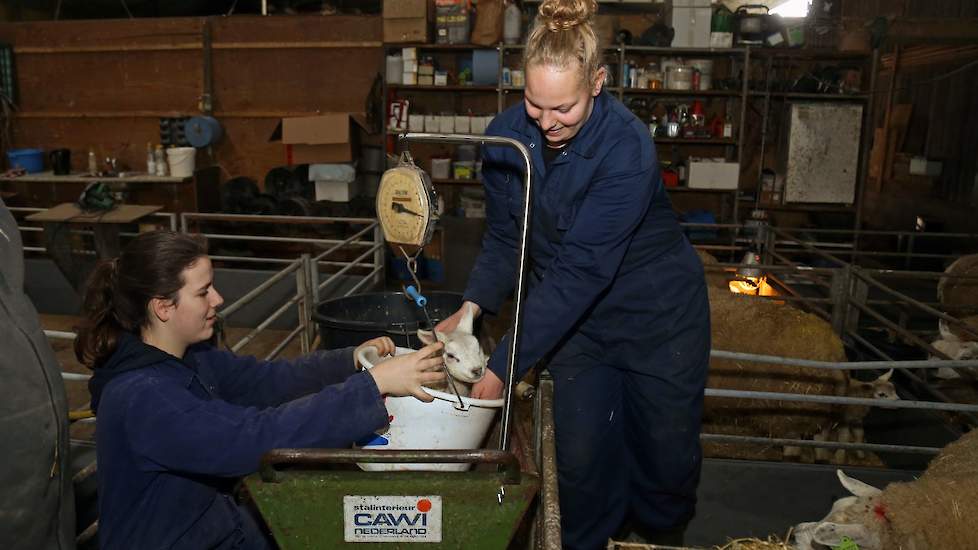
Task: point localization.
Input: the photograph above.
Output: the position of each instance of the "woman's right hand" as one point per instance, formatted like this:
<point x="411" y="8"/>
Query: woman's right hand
<point x="405" y="374"/>
<point x="449" y="323"/>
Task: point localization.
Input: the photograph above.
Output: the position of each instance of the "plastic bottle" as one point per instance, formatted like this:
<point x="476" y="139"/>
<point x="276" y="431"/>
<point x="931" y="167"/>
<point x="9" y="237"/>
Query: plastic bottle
<point x="160" y="158"/>
<point x="92" y="163"/>
<point x="150" y="159"/>
<point x="512" y="21"/>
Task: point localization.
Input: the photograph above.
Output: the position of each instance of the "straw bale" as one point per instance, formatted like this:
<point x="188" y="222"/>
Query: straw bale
<point x="752" y="325"/>
<point x="959" y="297"/>
<point x="714" y="277"/>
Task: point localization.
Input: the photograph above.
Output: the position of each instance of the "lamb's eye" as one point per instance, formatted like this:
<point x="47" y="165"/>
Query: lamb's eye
<point x="452" y="356"/>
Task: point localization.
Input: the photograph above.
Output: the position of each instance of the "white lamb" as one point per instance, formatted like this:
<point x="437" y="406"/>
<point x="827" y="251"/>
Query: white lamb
<point x="932" y="513"/>
<point x="464" y="358"/>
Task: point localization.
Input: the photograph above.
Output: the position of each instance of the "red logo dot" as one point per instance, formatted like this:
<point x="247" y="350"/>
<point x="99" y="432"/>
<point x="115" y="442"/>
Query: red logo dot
<point x="424" y="505"/>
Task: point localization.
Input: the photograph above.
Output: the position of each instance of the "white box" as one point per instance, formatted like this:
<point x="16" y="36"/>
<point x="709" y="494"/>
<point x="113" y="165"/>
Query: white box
<point x="920" y="166"/>
<point x="477" y="125"/>
<point x="462" y="125"/>
<point x="713" y="174"/>
<point x="332" y="172"/>
<point x="410" y="65"/>
<point x="431" y="123"/>
<point x="721" y="39"/>
<point x="337" y="191"/>
<point x="441" y="78"/>
<point x="416" y="123"/>
<point x="446" y="124"/>
<point x="692" y="27"/>
<point x="409" y="78"/>
<point x="410" y="53"/>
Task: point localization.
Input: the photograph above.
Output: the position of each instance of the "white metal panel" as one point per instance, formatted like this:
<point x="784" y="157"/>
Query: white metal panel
<point x="823" y="152"/>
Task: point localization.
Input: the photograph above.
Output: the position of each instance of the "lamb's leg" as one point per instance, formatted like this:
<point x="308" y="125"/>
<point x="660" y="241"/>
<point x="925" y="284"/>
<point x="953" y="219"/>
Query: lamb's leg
<point x="822" y="454"/>
<point x="845" y="436"/>
<point x="859" y="436"/>
<point x="791" y="453"/>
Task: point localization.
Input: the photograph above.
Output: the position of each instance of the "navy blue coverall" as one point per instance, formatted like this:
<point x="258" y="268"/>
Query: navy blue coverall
<point x="174" y="435"/>
<point x="617" y="306"/>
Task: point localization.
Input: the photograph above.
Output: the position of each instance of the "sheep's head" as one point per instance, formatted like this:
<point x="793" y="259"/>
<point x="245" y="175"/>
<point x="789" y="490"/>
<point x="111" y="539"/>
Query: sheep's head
<point x="883" y="388"/>
<point x="851" y="517"/>
<point x="463" y="356"/>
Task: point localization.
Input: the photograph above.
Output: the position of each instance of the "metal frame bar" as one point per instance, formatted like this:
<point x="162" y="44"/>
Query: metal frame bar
<point x="523" y="264"/>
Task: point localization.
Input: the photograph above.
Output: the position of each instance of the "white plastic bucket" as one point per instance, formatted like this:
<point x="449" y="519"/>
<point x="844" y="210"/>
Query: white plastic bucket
<point x="441" y="424"/>
<point x="181" y="161"/>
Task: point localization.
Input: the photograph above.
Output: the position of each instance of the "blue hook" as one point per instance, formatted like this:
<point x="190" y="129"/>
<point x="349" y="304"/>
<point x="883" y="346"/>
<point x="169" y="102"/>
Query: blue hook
<point x="416" y="296"/>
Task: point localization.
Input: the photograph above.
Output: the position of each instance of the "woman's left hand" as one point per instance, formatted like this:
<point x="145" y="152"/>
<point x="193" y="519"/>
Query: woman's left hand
<point x="385" y="346"/>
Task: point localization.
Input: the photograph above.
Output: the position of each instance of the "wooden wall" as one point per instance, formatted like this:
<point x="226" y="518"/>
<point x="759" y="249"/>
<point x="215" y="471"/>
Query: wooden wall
<point x="944" y="117"/>
<point x="103" y="84"/>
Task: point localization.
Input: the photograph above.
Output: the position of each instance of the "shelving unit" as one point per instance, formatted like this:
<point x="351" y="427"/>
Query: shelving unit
<point x="735" y="64"/>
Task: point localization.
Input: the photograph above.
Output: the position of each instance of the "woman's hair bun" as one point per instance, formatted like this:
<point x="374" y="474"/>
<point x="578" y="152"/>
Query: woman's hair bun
<point x="560" y="15"/>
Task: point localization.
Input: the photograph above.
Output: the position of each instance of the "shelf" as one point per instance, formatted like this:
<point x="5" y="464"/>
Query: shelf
<point x="695" y="141"/>
<point x="685" y="51"/>
<point x="445" y="47"/>
<point x="450" y="88"/>
<point x="801" y="207"/>
<point x="450" y="181"/>
<point x="610" y="89"/>
<point x="814" y="54"/>
<point x="694" y="190"/>
<point x="820" y="97"/>
<point x="663" y="91"/>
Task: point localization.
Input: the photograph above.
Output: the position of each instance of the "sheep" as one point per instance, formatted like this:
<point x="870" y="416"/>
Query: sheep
<point x="850" y="428"/>
<point x="464" y="358"/>
<point x="951" y="345"/>
<point x="930" y="513"/>
<point x="752" y="325"/>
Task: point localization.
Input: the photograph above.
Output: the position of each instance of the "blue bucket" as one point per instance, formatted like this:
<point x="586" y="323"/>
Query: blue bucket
<point x="31" y="160"/>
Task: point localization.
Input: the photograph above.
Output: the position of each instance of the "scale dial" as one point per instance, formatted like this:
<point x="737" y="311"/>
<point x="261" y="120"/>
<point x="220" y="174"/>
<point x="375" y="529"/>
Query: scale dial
<point x="406" y="206"/>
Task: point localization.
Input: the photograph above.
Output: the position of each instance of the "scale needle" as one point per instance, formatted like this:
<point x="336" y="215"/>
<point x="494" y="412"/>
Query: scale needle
<point x="398" y="207"/>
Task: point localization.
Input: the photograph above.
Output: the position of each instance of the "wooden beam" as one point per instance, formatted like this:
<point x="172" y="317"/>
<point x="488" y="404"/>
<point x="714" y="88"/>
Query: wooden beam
<point x="932" y="29"/>
<point x="38" y="50"/>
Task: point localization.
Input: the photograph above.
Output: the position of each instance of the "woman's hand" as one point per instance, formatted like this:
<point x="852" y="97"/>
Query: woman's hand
<point x="385" y="346"/>
<point x="405" y="374"/>
<point x="490" y="387"/>
<point x="451" y="323"/>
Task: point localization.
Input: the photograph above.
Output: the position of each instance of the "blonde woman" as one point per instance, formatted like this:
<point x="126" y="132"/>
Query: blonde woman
<point x="617" y="303"/>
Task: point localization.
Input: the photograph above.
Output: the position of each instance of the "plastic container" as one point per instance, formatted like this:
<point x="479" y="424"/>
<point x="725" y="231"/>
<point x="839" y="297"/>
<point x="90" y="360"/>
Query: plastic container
<point x="679" y="78"/>
<point x="181" y="161"/>
<point x="395" y="69"/>
<point x="441" y="168"/>
<point x="441" y="424"/>
<point x="512" y="23"/>
<point x="31" y="160"/>
<point x="352" y="320"/>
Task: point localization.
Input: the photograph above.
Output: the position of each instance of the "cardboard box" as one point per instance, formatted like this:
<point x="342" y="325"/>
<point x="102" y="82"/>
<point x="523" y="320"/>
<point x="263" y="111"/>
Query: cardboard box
<point x="326" y="138"/>
<point x="406" y="21"/>
<point x="713" y="174"/>
<point x="462" y="125"/>
<point x="337" y="191"/>
<point x="405" y="9"/>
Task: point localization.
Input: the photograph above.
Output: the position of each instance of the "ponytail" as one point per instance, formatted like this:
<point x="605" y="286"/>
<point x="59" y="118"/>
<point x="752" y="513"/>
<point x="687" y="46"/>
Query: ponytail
<point x="99" y="332"/>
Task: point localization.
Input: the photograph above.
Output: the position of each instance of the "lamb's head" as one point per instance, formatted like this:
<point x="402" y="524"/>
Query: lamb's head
<point x="463" y="356"/>
<point x="854" y="517"/>
<point x="880" y="388"/>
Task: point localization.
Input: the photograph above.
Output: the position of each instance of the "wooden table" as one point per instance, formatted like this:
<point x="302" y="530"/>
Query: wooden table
<point x="106" y="227"/>
<point x="199" y="193"/>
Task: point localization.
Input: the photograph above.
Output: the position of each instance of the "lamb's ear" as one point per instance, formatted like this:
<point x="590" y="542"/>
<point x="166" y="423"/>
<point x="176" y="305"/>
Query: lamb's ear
<point x="465" y="323"/>
<point x="886" y="376"/>
<point x="857" y="487"/>
<point x="426" y="336"/>
<point x="832" y="535"/>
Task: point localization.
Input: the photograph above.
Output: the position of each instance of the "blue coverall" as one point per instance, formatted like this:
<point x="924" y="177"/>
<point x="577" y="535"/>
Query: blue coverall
<point x="174" y="435"/>
<point x="618" y="308"/>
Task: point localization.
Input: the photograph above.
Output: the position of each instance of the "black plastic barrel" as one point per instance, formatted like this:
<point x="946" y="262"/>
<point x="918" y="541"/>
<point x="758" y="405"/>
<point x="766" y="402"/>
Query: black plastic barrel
<point x="351" y="320"/>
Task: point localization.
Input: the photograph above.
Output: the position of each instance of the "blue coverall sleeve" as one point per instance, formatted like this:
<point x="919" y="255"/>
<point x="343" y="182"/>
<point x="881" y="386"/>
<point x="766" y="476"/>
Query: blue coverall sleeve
<point x="250" y="382"/>
<point x="170" y="429"/>
<point x="591" y="252"/>
<point x="494" y="275"/>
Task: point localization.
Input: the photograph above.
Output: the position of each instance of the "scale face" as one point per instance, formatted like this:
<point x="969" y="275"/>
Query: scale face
<point x="406" y="205"/>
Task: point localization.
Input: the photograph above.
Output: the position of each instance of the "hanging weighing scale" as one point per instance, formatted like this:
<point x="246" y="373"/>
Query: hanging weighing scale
<point x="407" y="205"/>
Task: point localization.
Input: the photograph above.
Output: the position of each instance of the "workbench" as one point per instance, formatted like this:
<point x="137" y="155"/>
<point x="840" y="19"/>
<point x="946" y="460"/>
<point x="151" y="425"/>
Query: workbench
<point x="199" y="193"/>
<point x="106" y="227"/>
